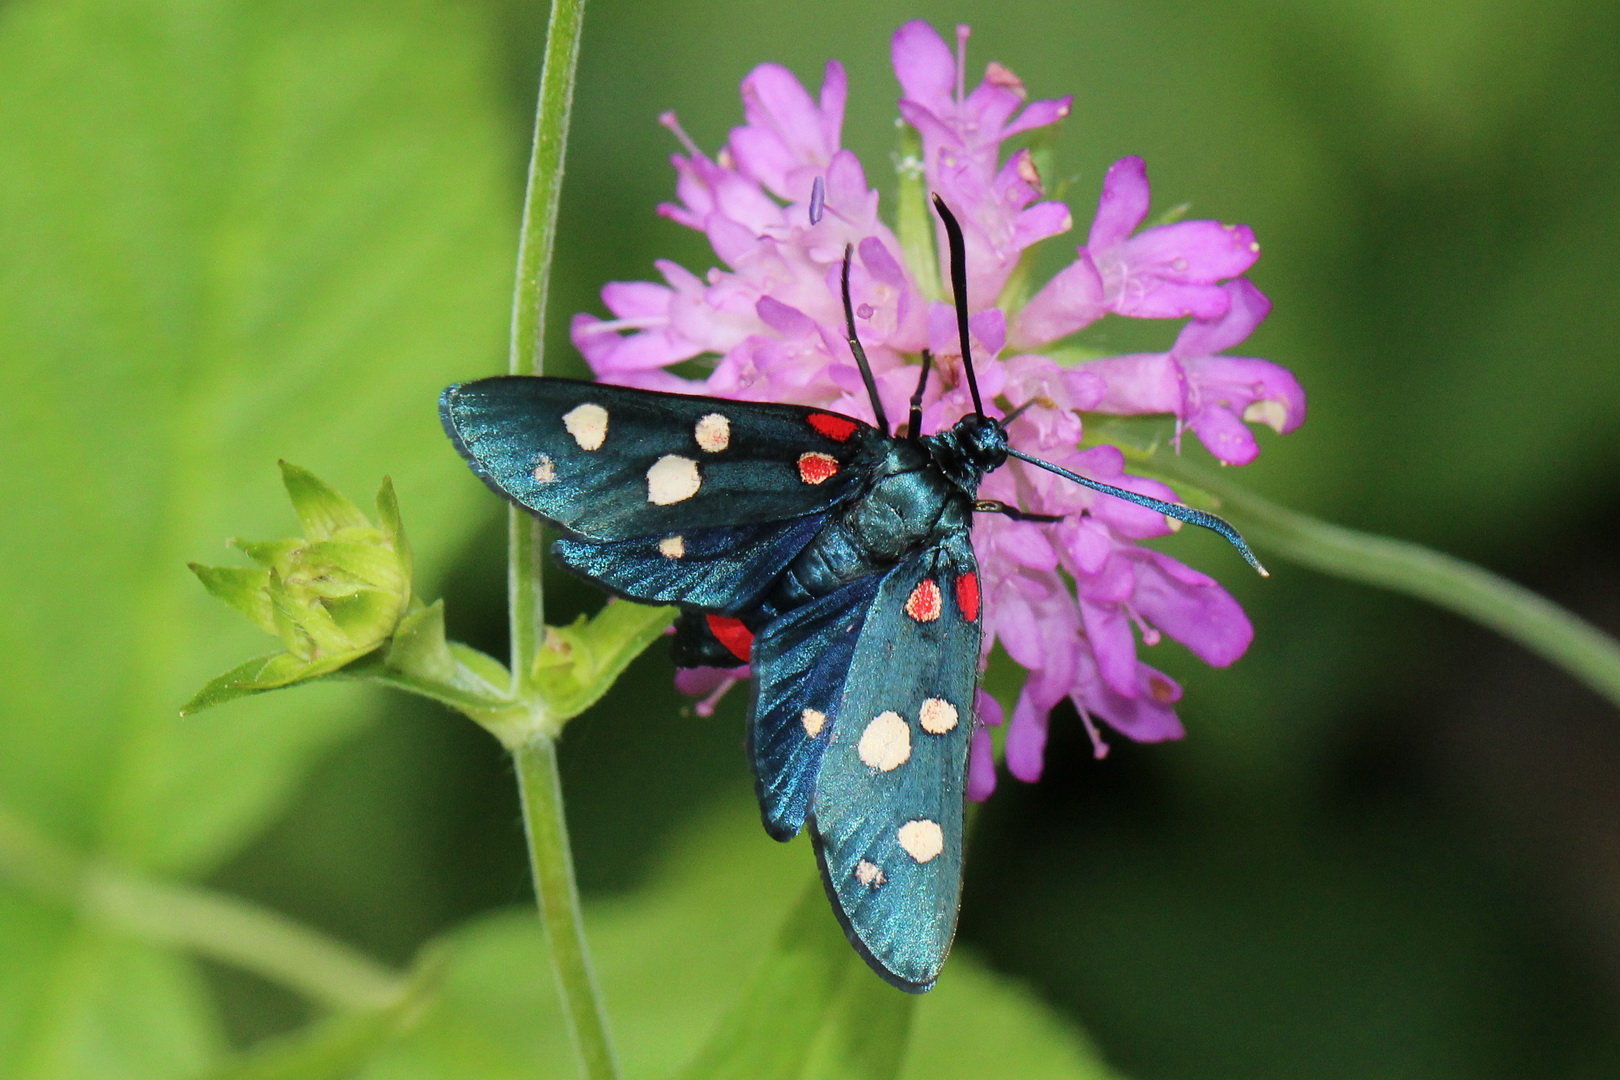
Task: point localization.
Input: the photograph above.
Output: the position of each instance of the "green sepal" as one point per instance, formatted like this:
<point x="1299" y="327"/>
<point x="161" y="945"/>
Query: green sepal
<point x="242" y="587"/>
<point x="578" y="663"/>
<point x="265" y="673"/>
<point x="915" y="226"/>
<point x="393" y="528"/>
<point x="272" y="554"/>
<point x="321" y="509"/>
<point x="419" y="646"/>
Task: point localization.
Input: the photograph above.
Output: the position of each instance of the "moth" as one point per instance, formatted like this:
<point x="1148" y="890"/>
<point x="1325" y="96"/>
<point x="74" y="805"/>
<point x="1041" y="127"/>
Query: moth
<point x="832" y="556"/>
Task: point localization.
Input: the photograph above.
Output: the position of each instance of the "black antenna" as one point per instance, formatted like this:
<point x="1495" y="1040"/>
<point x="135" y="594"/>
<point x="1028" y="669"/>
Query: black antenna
<point x="914" y="425"/>
<point x="860" y="353"/>
<point x="1175" y="510"/>
<point x="953" y="233"/>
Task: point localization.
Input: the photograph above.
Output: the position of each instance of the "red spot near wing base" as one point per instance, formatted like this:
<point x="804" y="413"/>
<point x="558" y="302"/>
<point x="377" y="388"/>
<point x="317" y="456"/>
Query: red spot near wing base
<point x="967" y="595"/>
<point x="816" y="468"/>
<point x="924" y="602"/>
<point x="836" y="428"/>
<point x="737" y="638"/>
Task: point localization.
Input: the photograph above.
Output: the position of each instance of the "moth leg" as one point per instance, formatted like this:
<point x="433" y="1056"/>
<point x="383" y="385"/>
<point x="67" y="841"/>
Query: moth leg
<point x="992" y="506"/>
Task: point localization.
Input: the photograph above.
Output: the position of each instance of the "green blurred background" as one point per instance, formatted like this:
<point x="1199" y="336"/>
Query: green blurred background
<point x="237" y="231"/>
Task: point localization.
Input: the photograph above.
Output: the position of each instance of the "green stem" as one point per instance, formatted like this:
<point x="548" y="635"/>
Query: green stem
<point x="535" y="244"/>
<point x="201" y="921"/>
<point x="536" y="755"/>
<point x="1533" y="621"/>
<point x="554" y="888"/>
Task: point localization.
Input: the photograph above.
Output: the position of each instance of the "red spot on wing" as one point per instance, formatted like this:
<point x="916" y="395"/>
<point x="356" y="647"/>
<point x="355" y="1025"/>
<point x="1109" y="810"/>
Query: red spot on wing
<point x="737" y="638"/>
<point x="967" y="595"/>
<point x="837" y="428"/>
<point x="817" y="468"/>
<point x="924" y="602"/>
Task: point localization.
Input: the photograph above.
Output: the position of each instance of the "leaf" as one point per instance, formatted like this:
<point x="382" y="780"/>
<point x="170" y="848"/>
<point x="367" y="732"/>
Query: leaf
<point x="770" y="1029"/>
<point x="579" y="663"/>
<point x="680" y="963"/>
<point x="229" y="233"/>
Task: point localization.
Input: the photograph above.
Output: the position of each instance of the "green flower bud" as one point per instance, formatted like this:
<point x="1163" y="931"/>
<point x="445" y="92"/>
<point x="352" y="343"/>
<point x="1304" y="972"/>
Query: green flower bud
<point x="331" y="596"/>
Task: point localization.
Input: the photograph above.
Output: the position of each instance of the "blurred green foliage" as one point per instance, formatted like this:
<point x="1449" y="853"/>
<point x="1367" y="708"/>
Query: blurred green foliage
<point x="236" y="232"/>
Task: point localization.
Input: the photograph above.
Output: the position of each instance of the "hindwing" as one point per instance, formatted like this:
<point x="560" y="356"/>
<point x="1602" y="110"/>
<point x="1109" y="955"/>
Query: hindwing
<point x="887" y="813"/>
<point x="863" y="712"/>
<point x="612" y="463"/>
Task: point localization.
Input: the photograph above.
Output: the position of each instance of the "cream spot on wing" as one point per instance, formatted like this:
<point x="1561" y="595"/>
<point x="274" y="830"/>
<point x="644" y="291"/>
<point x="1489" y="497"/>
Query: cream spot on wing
<point x="671" y="479"/>
<point x="922" y="839"/>
<point x="545" y="470"/>
<point x="886" y="742"/>
<point x="868" y="874"/>
<point x="587" y="423"/>
<point x="937" y="716"/>
<point x="672" y="547"/>
<point x="713" y="433"/>
<point x="813" y="720"/>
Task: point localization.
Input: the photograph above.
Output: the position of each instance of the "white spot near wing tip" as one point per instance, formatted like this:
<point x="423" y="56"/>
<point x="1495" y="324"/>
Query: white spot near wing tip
<point x="672" y="479"/>
<point x="713" y="433"/>
<point x="813" y="720"/>
<point x="868" y="873"/>
<point x="545" y="470"/>
<point x="886" y="743"/>
<point x="588" y="424"/>
<point x="922" y="839"/>
<point x="672" y="547"/>
<point x="937" y="716"/>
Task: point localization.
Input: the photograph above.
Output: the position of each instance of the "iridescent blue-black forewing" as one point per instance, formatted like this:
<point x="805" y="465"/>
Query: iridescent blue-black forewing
<point x="802" y="661"/>
<point x="610" y="463"/>
<point x="888" y="805"/>
<point x="723" y="569"/>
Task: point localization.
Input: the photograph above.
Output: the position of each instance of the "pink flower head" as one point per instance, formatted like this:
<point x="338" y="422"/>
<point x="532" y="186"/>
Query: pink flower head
<point x="1073" y="602"/>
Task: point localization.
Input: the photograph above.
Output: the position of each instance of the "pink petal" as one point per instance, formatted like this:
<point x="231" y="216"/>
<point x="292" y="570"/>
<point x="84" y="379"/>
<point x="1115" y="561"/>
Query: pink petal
<point x="1224" y="435"/>
<point x="1071" y="301"/>
<point x="1025" y="747"/>
<point x="636" y="299"/>
<point x="1140" y="384"/>
<point x="1039" y="114"/>
<point x="1196" y="252"/>
<point x="1122" y="205"/>
<point x="981" y="774"/>
<point x="924" y="64"/>
<point x="880" y="263"/>
<point x="988" y="708"/>
<point x="1114" y="645"/>
<point x="1247" y="308"/>
<point x="1041" y="222"/>
<point x="1193" y="609"/>
<point x="1150" y="716"/>
<point x="834" y="95"/>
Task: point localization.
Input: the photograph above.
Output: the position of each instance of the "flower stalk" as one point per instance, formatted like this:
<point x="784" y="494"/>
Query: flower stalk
<point x="1541" y="626"/>
<point x="535" y="756"/>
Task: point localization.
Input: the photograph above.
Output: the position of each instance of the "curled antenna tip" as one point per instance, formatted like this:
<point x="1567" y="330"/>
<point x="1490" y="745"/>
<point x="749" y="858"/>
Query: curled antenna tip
<point x="818" y="200"/>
